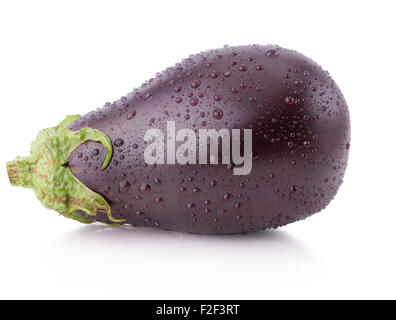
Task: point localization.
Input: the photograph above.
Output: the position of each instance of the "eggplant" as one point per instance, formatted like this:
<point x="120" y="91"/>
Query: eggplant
<point x="231" y="140"/>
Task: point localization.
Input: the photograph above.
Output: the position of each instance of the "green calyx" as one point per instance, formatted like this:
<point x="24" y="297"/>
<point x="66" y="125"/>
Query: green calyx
<point x="45" y="171"/>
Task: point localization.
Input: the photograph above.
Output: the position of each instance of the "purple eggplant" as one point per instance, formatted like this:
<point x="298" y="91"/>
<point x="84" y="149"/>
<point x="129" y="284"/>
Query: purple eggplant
<point x="231" y="140"/>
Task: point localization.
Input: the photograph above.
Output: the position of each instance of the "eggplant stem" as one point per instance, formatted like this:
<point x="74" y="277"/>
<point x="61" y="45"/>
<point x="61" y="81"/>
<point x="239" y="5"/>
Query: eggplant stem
<point x="47" y="173"/>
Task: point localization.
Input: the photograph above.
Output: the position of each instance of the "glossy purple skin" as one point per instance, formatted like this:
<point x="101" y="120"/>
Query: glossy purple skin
<point x="301" y="138"/>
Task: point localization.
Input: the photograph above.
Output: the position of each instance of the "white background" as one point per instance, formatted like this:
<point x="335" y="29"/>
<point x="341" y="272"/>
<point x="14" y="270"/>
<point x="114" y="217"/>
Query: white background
<point x="69" y="57"/>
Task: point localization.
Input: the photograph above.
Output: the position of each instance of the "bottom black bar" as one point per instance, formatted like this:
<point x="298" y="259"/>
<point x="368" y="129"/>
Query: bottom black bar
<point x="183" y="309"/>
